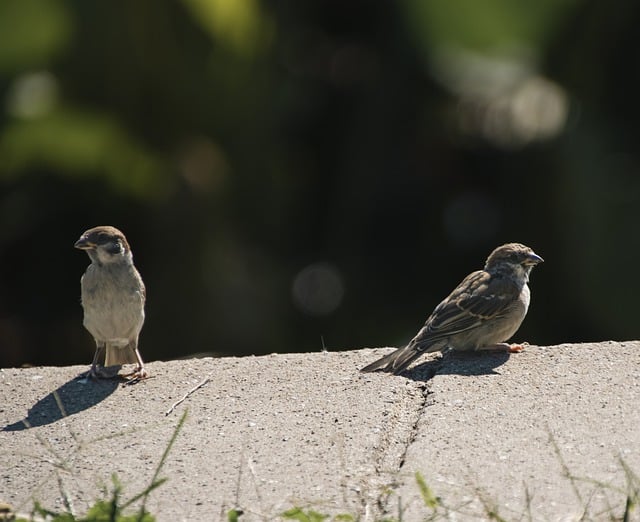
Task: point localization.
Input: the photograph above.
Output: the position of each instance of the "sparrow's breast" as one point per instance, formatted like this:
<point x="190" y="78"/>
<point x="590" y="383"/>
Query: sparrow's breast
<point x="113" y="305"/>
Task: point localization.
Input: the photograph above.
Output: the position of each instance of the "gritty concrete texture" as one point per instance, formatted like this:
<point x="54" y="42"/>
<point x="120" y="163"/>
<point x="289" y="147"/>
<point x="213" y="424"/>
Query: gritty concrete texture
<point x="504" y="433"/>
<point x="488" y="432"/>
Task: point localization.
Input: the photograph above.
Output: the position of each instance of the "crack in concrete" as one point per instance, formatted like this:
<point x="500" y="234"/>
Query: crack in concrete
<point x="401" y="430"/>
<point x="413" y="432"/>
<point x="422" y="375"/>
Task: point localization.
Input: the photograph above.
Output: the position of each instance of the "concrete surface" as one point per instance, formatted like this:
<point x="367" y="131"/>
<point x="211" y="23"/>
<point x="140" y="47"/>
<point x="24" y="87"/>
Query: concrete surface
<point x="490" y="433"/>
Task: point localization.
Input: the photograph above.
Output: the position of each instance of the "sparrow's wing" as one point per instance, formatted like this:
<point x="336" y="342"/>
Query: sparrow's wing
<point x="478" y="298"/>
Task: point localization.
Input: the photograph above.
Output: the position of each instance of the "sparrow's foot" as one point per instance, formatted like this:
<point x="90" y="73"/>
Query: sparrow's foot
<point x="136" y="375"/>
<point x="504" y="347"/>
<point x="100" y="372"/>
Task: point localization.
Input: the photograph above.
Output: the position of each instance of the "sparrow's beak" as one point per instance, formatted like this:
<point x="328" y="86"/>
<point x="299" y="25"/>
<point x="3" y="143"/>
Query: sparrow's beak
<point x="533" y="259"/>
<point x="84" y="244"/>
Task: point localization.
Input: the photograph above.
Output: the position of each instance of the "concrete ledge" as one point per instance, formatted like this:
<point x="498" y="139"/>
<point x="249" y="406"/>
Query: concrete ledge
<point x="268" y="433"/>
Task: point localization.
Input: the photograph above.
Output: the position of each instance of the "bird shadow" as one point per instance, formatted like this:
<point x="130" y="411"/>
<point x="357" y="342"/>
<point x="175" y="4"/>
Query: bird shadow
<point x="72" y="397"/>
<point x="459" y="363"/>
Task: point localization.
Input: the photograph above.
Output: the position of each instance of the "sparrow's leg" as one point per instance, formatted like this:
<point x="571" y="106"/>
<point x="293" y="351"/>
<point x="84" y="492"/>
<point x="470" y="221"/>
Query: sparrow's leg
<point x="138" y="372"/>
<point x="100" y="347"/>
<point x="96" y="371"/>
<point x="504" y="347"/>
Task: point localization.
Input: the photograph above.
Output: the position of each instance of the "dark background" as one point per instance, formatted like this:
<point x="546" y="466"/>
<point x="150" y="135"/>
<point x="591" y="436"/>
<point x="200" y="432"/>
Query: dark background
<point x="292" y="174"/>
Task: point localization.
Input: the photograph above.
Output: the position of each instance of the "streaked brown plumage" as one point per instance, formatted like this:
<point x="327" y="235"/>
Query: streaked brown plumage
<point x="484" y="310"/>
<point x="113" y="298"/>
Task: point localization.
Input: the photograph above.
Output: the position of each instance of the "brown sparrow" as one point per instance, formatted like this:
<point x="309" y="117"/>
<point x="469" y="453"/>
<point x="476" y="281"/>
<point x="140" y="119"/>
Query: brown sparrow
<point x="485" y="310"/>
<point x="113" y="297"/>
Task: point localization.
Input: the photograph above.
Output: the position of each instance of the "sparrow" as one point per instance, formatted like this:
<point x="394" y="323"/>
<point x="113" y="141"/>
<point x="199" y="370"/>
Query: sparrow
<point x="113" y="297"/>
<point x="483" y="311"/>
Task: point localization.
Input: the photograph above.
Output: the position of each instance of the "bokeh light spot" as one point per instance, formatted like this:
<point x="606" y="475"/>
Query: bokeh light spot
<point x="318" y="289"/>
<point x="32" y="95"/>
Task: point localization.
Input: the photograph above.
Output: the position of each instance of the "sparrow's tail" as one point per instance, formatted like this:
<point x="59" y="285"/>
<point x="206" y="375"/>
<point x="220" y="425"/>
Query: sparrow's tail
<point x="395" y="362"/>
<point x="119" y="355"/>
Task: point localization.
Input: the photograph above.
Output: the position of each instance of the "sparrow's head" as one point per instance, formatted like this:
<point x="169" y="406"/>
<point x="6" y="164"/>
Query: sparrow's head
<point x="513" y="258"/>
<point x="105" y="245"/>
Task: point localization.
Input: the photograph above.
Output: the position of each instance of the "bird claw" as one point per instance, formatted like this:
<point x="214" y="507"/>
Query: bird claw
<point x="135" y="376"/>
<point x="505" y="347"/>
<point x="98" y="373"/>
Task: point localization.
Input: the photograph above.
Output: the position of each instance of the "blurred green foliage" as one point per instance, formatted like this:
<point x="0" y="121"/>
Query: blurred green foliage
<point x="34" y="33"/>
<point x="488" y="26"/>
<point x="297" y="173"/>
